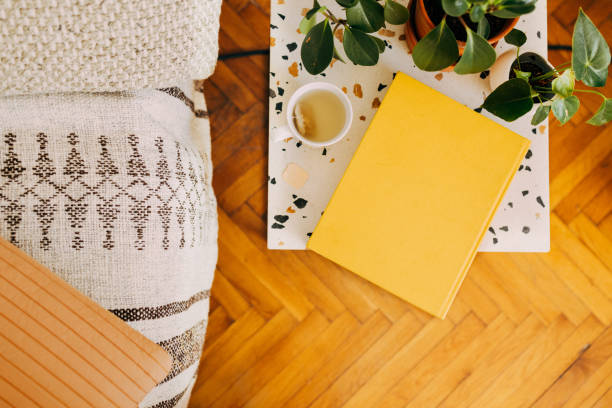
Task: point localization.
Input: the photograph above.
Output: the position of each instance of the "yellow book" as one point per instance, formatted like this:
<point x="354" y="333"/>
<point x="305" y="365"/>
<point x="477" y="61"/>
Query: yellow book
<point x="419" y="194"/>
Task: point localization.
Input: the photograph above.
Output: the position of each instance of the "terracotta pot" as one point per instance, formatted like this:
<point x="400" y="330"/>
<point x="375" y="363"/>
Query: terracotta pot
<point x="424" y="25"/>
<point x="412" y="39"/>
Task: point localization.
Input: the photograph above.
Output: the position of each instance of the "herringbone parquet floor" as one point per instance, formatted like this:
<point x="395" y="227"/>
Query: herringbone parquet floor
<point x="290" y="329"/>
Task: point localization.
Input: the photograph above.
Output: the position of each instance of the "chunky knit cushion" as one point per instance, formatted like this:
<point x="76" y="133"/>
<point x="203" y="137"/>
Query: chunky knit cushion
<point x="113" y="193"/>
<point x="84" y="45"/>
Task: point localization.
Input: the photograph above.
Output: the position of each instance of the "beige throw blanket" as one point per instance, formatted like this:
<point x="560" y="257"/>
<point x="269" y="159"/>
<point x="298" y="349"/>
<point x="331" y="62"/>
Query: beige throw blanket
<point x="113" y="193"/>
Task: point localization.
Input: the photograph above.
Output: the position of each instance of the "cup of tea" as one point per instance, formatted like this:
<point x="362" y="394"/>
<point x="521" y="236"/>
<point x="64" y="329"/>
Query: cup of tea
<point x="318" y="114"/>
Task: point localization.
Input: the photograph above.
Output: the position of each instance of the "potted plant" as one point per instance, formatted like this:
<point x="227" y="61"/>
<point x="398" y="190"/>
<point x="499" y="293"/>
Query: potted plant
<point x="362" y="18"/>
<point x="461" y="33"/>
<point x="531" y="80"/>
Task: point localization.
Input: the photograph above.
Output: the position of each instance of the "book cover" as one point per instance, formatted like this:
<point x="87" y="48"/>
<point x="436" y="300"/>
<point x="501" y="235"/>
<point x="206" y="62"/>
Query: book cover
<point x="418" y="195"/>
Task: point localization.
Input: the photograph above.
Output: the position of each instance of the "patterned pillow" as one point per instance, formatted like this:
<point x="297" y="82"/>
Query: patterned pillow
<point x="113" y="193"/>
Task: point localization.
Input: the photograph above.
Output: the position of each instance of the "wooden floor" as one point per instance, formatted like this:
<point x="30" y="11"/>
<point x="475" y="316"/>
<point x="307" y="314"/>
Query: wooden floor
<point x="290" y="329"/>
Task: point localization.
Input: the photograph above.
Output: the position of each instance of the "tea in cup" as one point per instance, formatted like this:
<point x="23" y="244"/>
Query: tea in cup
<point x="318" y="114"/>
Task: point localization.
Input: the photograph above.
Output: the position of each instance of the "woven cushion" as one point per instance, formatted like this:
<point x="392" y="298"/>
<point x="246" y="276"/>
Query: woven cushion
<point x="113" y="45"/>
<point x="113" y="193"/>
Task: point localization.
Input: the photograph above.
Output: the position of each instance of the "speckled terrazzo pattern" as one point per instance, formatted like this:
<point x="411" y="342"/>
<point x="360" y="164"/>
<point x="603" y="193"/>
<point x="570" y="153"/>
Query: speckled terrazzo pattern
<point x="521" y="223"/>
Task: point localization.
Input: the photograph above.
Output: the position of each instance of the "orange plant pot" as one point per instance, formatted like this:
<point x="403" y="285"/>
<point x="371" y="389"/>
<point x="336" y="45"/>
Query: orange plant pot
<point x="412" y="39"/>
<point x="420" y="24"/>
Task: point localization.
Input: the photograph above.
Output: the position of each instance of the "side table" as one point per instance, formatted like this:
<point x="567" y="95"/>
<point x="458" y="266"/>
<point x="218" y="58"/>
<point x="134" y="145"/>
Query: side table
<point x="521" y="224"/>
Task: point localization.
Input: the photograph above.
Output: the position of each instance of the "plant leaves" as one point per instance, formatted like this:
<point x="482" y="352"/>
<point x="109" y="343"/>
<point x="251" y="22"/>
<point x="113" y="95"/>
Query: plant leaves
<point x="455" y="8"/>
<point x="346" y="3"/>
<point x="380" y="43"/>
<point x="360" y="47"/>
<point x="478" y="55"/>
<point x="516" y="37"/>
<point x="437" y="50"/>
<point x="590" y="52"/>
<point x="318" y="48"/>
<point x="395" y="13"/>
<point x="565" y="108"/>
<point x="603" y="114"/>
<point x="540" y="114"/>
<point x="563" y="85"/>
<point x="522" y="75"/>
<point x="366" y="15"/>
<point x="315" y="7"/>
<point x="477" y="13"/>
<point x="510" y="100"/>
<point x="514" y="8"/>
<point x="484" y="28"/>
<point x="307" y="23"/>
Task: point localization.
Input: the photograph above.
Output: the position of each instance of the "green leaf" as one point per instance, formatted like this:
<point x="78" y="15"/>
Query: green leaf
<point x="366" y="15"/>
<point x="563" y="85"/>
<point x="522" y="75"/>
<point x="540" y="114"/>
<point x="346" y="3"/>
<point x="318" y="48"/>
<point x="315" y="7"/>
<point x="477" y="13"/>
<point x="516" y="37"/>
<point x="484" y="28"/>
<point x="380" y="43"/>
<point x="590" y="52"/>
<point x="514" y="8"/>
<point x="603" y="114"/>
<point x="478" y="55"/>
<point x="437" y="50"/>
<point x="510" y="100"/>
<point x="360" y="47"/>
<point x="307" y="23"/>
<point x="395" y="13"/>
<point x="565" y="108"/>
<point x="455" y="8"/>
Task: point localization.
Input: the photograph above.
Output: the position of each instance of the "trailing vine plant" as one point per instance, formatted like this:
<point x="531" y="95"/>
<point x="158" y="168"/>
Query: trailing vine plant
<point x="555" y="90"/>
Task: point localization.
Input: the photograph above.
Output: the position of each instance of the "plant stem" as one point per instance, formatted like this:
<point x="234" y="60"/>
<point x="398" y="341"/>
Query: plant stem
<point x="555" y="71"/>
<point x="539" y="98"/>
<point x="338" y="24"/>
<point x="465" y="26"/>
<point x="546" y="75"/>
<point x="591" y="91"/>
<point x="331" y="16"/>
<point x="561" y="65"/>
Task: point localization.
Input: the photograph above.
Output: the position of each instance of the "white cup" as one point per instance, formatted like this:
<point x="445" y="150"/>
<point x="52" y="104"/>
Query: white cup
<point x="289" y="130"/>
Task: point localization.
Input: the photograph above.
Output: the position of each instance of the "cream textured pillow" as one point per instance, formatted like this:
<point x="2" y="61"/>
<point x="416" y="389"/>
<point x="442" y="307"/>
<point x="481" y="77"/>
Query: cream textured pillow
<point x="113" y="193"/>
<point x="98" y="45"/>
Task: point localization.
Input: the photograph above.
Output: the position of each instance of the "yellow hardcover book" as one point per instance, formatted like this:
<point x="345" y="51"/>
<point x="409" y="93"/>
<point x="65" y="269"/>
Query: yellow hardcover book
<point x="419" y="194"/>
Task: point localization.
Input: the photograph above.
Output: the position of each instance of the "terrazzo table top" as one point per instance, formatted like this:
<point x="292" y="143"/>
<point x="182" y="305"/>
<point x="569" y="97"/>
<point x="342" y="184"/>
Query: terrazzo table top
<point x="522" y="222"/>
